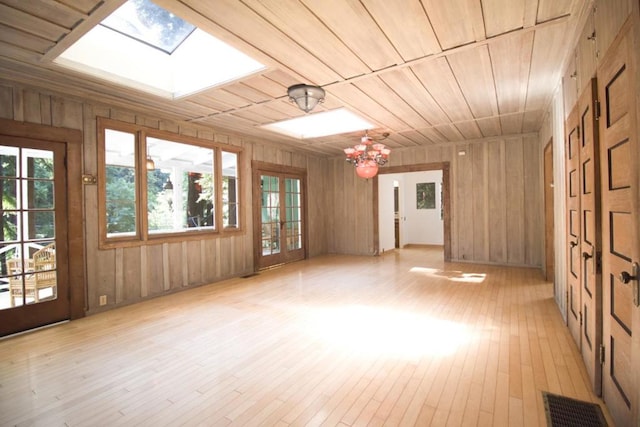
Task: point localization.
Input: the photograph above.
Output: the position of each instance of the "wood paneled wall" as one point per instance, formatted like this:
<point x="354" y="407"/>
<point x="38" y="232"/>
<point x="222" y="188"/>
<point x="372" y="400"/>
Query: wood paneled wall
<point x="495" y="201"/>
<point x="132" y="274"/>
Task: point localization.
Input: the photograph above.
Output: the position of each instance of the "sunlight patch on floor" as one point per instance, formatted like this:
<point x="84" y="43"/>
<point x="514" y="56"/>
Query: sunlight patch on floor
<point x="454" y="276"/>
<point x="374" y="331"/>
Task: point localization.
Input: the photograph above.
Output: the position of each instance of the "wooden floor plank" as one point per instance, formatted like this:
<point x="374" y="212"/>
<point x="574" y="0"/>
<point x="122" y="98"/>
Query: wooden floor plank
<point x="400" y="339"/>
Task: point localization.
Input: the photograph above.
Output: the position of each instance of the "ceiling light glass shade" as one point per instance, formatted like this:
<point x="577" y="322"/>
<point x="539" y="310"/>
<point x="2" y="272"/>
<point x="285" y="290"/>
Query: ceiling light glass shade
<point x="367" y="169"/>
<point x="367" y="156"/>
<point x="306" y="96"/>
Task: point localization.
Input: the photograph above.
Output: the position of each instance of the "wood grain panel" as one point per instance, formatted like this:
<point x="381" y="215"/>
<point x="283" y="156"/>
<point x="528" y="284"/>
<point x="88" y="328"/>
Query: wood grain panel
<point x="511" y="88"/>
<point x="463" y="200"/>
<point x="547" y="9"/>
<point x="454" y="11"/>
<point x="391" y="99"/>
<point x="473" y="71"/>
<point x="131" y="273"/>
<point x="533" y="213"/>
<point x="447" y="94"/>
<point x="497" y="209"/>
<point x="515" y="201"/>
<point x="499" y="19"/>
<point x="609" y="18"/>
<point x="547" y="48"/>
<point x="43" y="28"/>
<point x="361" y="31"/>
<point x="480" y="195"/>
<point x="306" y="28"/>
<point x="407" y="27"/>
<point x="585" y="56"/>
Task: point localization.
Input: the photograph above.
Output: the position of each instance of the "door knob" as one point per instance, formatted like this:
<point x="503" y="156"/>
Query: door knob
<point x="586" y="255"/>
<point x="574" y="244"/>
<point x="626" y="277"/>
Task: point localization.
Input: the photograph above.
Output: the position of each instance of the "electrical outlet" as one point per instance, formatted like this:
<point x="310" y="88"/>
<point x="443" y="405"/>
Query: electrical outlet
<point x="103" y="300"/>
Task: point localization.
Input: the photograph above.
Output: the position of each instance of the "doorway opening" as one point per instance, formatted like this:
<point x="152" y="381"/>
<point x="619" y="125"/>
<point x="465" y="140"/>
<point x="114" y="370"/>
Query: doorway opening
<point x="418" y="196"/>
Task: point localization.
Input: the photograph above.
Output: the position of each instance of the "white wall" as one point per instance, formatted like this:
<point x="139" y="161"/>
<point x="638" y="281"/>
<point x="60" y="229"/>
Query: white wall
<point x="422" y="226"/>
<point x="386" y="225"/>
<point x="417" y="226"/>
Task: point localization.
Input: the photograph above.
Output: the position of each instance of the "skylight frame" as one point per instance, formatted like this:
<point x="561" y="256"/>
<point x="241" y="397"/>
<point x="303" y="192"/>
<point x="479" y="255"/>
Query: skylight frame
<point x="193" y="67"/>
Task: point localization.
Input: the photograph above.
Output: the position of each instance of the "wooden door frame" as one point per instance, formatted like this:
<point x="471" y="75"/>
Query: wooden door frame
<point x="446" y="200"/>
<point x="257" y="167"/>
<point x="72" y="138"/>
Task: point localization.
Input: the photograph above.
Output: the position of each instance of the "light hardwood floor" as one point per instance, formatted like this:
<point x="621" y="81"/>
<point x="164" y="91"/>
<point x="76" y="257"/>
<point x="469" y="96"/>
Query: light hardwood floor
<point x="400" y="339"/>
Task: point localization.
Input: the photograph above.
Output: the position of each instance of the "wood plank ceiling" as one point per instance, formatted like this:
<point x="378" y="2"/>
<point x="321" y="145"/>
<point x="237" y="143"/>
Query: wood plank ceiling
<point x="426" y="71"/>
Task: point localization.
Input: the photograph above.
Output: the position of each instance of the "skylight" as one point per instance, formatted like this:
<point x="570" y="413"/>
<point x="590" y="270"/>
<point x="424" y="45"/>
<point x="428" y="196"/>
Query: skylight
<point x="332" y="122"/>
<point x="149" y="23"/>
<point x="143" y="46"/>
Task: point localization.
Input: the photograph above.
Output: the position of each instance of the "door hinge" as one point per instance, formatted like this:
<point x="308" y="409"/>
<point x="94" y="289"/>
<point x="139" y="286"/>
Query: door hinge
<point x="596" y="106"/>
<point x="598" y="262"/>
<point x="602" y="353"/>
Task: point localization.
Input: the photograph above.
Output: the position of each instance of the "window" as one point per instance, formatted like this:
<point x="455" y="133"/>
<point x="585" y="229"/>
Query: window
<point x="180" y="188"/>
<point x="229" y="189"/>
<point x="120" y="182"/>
<point x="157" y="185"/>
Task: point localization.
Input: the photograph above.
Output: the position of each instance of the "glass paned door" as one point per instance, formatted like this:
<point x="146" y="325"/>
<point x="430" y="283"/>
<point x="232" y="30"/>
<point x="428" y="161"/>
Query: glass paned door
<point x="293" y="223"/>
<point x="33" y="207"/>
<point x="280" y="217"/>
<point x="270" y="215"/>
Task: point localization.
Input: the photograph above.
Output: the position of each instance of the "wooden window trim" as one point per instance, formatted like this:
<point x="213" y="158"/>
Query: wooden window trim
<point x="142" y="236"/>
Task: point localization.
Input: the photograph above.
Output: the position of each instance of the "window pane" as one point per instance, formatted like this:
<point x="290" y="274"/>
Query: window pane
<point x="230" y="190"/>
<point x="120" y="191"/>
<point x="39" y="164"/>
<point x="8" y="161"/>
<point x="42" y="195"/>
<point x="180" y="190"/>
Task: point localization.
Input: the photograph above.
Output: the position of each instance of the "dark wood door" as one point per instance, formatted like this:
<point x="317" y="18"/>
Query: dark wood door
<point x="590" y="243"/>
<point x="279" y="216"/>
<point x="33" y="251"/>
<point x="573" y="229"/>
<point x="617" y="89"/>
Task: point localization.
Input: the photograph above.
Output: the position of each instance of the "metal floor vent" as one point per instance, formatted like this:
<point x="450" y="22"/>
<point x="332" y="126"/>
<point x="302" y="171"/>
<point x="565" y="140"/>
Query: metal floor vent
<point x="563" y="411"/>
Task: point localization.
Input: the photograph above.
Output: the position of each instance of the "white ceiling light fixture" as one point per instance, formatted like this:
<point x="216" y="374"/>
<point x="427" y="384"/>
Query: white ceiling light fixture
<point x="306" y="96"/>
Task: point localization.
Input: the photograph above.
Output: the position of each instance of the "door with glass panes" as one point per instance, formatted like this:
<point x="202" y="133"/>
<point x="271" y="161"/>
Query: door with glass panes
<point x="279" y="217"/>
<point x="33" y="268"/>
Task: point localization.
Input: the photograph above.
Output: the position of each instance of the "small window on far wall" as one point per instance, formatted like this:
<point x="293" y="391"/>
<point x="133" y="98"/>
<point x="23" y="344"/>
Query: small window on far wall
<point x="230" y="186"/>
